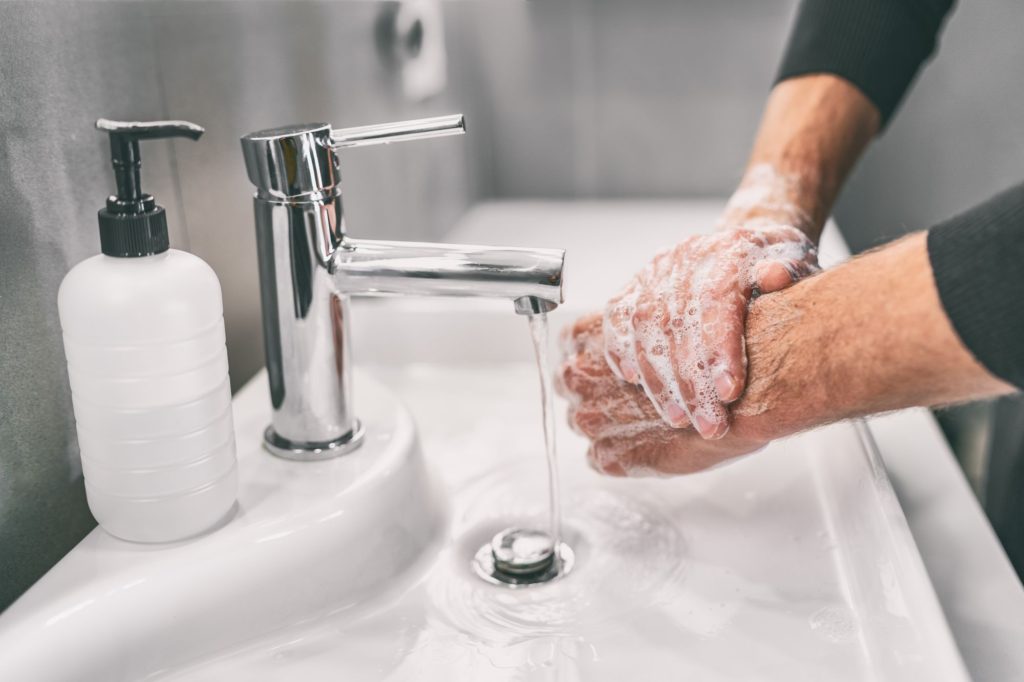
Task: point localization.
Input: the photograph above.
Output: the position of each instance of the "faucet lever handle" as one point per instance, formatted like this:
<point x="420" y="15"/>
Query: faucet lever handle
<point x="385" y="133"/>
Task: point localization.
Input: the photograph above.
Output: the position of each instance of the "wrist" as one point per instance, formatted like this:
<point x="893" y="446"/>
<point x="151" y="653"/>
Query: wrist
<point x="818" y="354"/>
<point x="786" y="390"/>
<point x="768" y="197"/>
<point x="813" y="129"/>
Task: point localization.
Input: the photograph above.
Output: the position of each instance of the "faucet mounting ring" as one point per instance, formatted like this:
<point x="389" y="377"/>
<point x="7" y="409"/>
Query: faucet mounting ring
<point x="312" y="452"/>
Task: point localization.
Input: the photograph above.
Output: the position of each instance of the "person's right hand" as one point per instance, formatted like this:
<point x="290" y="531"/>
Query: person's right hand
<point x="677" y="328"/>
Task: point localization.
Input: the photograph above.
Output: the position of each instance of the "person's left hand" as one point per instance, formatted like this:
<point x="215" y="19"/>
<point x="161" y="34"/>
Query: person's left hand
<point x="628" y="437"/>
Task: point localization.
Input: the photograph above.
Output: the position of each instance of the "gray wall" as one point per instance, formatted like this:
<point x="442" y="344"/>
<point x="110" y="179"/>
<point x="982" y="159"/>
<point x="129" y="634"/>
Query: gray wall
<point x="661" y="98"/>
<point x="56" y="75"/>
<point x="646" y="98"/>
<point x="233" y="67"/>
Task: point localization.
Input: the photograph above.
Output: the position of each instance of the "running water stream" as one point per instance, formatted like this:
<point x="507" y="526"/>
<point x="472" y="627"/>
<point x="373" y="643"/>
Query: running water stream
<point x="539" y="334"/>
<point x="528" y="556"/>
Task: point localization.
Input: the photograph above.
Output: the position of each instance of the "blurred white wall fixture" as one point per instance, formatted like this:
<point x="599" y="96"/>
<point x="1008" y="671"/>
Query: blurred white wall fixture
<point x="410" y="38"/>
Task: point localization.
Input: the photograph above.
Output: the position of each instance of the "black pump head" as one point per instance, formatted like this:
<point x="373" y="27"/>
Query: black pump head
<point x="132" y="224"/>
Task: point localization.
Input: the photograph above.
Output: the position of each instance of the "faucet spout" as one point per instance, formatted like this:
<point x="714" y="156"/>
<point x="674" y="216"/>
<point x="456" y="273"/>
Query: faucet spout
<point x="365" y="266"/>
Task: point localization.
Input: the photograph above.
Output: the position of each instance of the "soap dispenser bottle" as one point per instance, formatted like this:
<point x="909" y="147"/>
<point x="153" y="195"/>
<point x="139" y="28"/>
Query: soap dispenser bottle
<point x="144" y="340"/>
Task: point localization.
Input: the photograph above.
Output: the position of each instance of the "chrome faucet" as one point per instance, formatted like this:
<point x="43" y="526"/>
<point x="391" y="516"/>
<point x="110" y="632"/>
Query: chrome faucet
<point x="309" y="267"/>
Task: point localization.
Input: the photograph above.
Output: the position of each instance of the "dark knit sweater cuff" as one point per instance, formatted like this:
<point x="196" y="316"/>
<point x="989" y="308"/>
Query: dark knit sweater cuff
<point x="978" y="262"/>
<point x="878" y="45"/>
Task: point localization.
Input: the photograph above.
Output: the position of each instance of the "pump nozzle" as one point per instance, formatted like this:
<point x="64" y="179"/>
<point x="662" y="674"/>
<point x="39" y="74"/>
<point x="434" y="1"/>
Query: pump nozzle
<point x="132" y="224"/>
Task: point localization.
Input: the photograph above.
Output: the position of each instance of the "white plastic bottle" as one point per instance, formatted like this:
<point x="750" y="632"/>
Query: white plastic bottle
<point x="144" y="340"/>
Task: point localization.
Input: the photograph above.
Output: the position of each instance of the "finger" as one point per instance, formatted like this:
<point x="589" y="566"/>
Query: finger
<point x="663" y="452"/>
<point x="618" y="338"/>
<point x="585" y="371"/>
<point x="571" y="418"/>
<point x="608" y="467"/>
<point x="799" y="269"/>
<point x="574" y="337"/>
<point x="654" y="360"/>
<point x="625" y="411"/>
<point x="619" y="334"/>
<point x="560" y="383"/>
<point x="629" y="456"/>
<point x="688" y="347"/>
<point x="720" y="365"/>
<point x="771" y="276"/>
<point x="591" y="423"/>
<point x="702" y="373"/>
<point x="576" y="384"/>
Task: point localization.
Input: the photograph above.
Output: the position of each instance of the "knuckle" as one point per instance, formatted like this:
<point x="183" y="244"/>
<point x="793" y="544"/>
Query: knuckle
<point x="590" y="422"/>
<point x="571" y="379"/>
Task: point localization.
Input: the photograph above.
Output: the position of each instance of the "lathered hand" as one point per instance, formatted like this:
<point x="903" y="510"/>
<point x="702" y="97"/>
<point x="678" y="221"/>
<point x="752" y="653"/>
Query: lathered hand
<point x="628" y="437"/>
<point x="677" y="329"/>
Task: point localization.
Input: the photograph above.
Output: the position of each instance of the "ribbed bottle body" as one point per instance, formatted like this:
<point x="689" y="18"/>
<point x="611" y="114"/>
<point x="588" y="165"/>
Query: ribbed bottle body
<point x="148" y="368"/>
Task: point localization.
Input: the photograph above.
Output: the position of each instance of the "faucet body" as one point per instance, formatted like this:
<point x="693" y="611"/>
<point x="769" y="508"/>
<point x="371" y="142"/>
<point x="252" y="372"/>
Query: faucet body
<point x="309" y="267"/>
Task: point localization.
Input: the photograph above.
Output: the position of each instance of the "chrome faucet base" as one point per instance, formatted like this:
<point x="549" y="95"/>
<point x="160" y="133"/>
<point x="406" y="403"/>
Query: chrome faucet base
<point x="312" y="452"/>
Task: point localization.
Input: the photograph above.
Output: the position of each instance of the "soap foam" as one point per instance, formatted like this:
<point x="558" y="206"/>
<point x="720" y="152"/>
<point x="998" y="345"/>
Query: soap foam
<point x="768" y="192"/>
<point x="677" y="312"/>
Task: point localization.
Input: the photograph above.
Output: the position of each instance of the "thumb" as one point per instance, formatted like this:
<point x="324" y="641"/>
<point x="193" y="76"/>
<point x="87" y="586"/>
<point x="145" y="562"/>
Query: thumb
<point x="770" y="276"/>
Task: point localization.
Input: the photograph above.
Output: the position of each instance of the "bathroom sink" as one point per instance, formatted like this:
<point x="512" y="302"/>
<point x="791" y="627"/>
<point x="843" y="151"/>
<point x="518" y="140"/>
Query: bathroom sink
<point x="793" y="564"/>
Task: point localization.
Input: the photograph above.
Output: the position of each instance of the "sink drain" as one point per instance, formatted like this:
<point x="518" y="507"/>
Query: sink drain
<point x="519" y="557"/>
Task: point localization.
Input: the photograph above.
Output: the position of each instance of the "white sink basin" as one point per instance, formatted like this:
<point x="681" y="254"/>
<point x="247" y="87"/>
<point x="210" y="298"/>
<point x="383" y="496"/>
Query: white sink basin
<point x="794" y="564"/>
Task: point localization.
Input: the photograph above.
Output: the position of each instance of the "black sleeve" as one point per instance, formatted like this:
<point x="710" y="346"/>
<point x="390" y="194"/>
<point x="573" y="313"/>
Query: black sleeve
<point x="878" y="45"/>
<point x="978" y="262"/>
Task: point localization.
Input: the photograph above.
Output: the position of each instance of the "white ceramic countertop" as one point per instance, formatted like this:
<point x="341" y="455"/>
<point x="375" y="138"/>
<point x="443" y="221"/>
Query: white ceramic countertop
<point x="980" y="593"/>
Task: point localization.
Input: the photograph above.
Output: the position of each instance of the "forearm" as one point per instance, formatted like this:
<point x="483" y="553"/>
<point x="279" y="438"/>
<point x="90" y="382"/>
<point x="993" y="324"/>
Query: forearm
<point x="845" y="70"/>
<point x="813" y="130"/>
<point x="868" y="336"/>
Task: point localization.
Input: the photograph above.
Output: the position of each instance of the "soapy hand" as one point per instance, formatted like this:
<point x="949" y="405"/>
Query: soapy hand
<point x="677" y="328"/>
<point x="628" y="437"/>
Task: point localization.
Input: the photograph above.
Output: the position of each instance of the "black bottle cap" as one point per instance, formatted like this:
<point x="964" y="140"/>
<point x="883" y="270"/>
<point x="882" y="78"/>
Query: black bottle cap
<point x="131" y="224"/>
